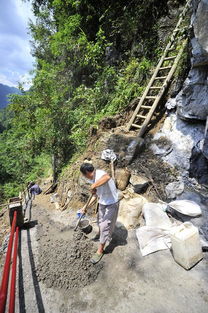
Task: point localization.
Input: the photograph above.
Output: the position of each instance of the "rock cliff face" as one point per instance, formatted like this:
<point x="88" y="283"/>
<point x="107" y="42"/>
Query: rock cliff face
<point x="186" y="127"/>
<point x="201" y="24"/>
<point x="192" y="102"/>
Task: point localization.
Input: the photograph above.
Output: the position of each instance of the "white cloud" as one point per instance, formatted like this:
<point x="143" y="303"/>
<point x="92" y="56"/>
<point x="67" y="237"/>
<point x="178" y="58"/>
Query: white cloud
<point x="5" y="81"/>
<point x="24" y="10"/>
<point x="16" y="60"/>
<point x="26" y="80"/>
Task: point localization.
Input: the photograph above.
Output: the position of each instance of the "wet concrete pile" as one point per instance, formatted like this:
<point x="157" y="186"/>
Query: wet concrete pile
<point x="65" y="264"/>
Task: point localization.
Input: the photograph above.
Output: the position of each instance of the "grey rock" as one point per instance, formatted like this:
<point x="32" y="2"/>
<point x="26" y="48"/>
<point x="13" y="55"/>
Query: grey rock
<point x="182" y="136"/>
<point x="195" y="4"/>
<point x="54" y="198"/>
<point x="141" y="188"/>
<point x="138" y="179"/>
<point x="174" y="189"/>
<point x="201" y="24"/>
<point x="205" y="142"/>
<point x="139" y="183"/>
<point x="5" y="244"/>
<point x="192" y="102"/>
<point x="171" y="103"/>
<point x="199" y="55"/>
<point x="161" y="150"/>
<point x="69" y="194"/>
<point x="198" y="165"/>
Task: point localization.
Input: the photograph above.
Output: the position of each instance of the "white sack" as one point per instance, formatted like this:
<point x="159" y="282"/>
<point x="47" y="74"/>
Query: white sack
<point x="186" y="207"/>
<point x="155" y="216"/>
<point x="155" y="235"/>
<point x="152" y="239"/>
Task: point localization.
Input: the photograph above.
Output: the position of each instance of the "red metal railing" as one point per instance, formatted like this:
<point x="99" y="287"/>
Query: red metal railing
<point x="14" y="270"/>
<point x="6" y="271"/>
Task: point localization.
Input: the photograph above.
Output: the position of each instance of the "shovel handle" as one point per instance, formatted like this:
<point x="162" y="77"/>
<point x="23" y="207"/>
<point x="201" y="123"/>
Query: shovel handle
<point x="79" y="221"/>
<point x="112" y="169"/>
<point x="88" y="202"/>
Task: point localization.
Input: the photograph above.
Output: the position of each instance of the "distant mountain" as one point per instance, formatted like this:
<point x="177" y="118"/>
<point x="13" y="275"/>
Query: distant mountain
<point x="4" y="92"/>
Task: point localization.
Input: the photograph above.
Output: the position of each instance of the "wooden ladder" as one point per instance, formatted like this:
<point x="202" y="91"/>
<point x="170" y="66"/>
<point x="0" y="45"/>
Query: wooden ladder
<point x="160" y="79"/>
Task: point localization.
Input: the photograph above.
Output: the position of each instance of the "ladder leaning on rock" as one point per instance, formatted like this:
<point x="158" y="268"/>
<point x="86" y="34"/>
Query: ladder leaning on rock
<point x="161" y="77"/>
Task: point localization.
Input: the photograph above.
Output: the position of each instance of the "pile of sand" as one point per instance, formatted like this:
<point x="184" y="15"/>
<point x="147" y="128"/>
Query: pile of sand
<point x="66" y="263"/>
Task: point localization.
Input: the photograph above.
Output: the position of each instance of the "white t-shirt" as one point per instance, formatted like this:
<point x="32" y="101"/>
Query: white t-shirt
<point x="106" y="193"/>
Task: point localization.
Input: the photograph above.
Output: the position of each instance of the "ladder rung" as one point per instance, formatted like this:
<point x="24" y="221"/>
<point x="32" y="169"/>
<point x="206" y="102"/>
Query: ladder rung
<point x="178" y="30"/>
<point x="150" y="106"/>
<point x="165" y="68"/>
<point x="136" y="126"/>
<point x="141" y="116"/>
<point x="146" y="106"/>
<point x="150" y="97"/>
<point x="155" y="87"/>
<point x="170" y="58"/>
<point x="161" y="77"/>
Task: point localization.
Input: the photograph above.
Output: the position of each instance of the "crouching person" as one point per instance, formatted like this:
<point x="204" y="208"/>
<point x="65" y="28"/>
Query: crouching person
<point x="104" y="188"/>
<point x="34" y="190"/>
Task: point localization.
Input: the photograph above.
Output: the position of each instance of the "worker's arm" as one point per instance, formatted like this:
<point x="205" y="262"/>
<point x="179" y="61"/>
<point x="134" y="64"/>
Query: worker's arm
<point x="104" y="179"/>
<point x="84" y="209"/>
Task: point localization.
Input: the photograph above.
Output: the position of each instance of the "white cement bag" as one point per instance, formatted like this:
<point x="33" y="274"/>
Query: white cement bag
<point x="186" y="207"/>
<point x="155" y="235"/>
<point x="155" y="216"/>
<point x="152" y="239"/>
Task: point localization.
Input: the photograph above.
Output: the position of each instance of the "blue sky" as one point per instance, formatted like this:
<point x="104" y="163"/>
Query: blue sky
<point x="15" y="58"/>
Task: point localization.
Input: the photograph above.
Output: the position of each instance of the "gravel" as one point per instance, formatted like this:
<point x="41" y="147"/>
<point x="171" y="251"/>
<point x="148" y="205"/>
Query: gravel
<point x="65" y="264"/>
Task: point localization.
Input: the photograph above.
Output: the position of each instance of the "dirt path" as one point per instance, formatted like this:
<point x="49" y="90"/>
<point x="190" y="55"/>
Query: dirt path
<point x="122" y="282"/>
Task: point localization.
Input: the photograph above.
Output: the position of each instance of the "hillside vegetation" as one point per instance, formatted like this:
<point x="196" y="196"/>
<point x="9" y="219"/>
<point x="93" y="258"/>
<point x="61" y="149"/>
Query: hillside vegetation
<point x="5" y="91"/>
<point x="92" y="59"/>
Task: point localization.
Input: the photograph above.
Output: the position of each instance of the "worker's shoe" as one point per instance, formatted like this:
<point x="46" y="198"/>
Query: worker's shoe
<point x="96" y="258"/>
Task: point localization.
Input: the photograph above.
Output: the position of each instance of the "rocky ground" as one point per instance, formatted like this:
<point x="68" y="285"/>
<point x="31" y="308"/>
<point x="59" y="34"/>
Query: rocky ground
<point x="4" y="230"/>
<point x="54" y="274"/>
<point x="64" y="257"/>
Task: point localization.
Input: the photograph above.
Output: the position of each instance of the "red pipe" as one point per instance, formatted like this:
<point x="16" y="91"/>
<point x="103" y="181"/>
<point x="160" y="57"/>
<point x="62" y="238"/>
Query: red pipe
<point x="5" y="278"/>
<point x="14" y="271"/>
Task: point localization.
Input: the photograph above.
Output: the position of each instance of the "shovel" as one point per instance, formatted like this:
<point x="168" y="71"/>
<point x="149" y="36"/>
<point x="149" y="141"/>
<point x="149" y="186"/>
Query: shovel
<point x="87" y="204"/>
<point x="109" y="155"/>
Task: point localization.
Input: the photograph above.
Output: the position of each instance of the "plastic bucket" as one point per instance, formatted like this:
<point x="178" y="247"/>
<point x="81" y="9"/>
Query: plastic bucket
<point x="85" y="226"/>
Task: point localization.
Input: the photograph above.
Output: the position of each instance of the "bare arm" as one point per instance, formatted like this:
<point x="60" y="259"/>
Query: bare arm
<point x="84" y="209"/>
<point x="104" y="179"/>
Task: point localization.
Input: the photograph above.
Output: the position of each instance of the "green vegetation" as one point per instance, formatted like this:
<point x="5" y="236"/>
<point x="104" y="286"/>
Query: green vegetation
<point x="92" y="59"/>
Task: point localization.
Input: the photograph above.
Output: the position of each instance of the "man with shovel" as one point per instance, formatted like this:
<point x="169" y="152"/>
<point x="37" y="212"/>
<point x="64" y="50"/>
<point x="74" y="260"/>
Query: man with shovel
<point x="104" y="188"/>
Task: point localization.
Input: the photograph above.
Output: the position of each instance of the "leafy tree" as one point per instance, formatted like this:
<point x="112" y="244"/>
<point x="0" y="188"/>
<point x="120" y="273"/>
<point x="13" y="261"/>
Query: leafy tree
<point x="92" y="59"/>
